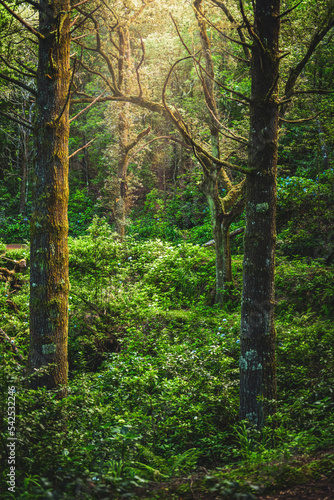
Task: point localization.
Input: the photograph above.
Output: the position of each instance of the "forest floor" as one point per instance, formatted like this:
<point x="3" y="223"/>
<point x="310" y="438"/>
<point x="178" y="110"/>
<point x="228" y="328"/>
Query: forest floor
<point x="316" y="485"/>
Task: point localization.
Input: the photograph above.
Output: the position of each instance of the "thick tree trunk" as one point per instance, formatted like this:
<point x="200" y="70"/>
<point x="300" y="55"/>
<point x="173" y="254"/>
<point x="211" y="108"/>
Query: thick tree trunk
<point x="49" y="282"/>
<point x="257" y="361"/>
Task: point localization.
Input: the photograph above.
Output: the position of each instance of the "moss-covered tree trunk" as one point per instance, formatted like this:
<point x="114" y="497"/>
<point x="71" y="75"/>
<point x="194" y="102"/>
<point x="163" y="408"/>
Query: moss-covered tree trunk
<point x="122" y="166"/>
<point x="49" y="283"/>
<point x="210" y="189"/>
<point x="257" y="361"/>
<point x="23" y="167"/>
<point x="227" y="262"/>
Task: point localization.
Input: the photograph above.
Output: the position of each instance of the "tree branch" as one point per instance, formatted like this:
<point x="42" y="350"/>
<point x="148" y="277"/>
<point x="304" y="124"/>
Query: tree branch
<point x="302" y="120"/>
<point x="166" y="137"/>
<point x="296" y="71"/>
<point x="98" y="98"/>
<point x="80" y="149"/>
<point x="240" y="32"/>
<point x="139" y="65"/>
<point x="16" y="69"/>
<point x="238" y="42"/>
<point x="138" y="138"/>
<point x="286" y="12"/>
<point x="313" y="91"/>
<point x="16" y="120"/>
<point x="22" y="21"/>
<point x="233" y="136"/>
<point x="20" y="84"/>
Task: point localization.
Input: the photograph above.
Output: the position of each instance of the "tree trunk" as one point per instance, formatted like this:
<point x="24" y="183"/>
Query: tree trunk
<point x="210" y="189"/>
<point x="23" y="167"/>
<point x="122" y="165"/>
<point x="257" y="360"/>
<point x="227" y="263"/>
<point x="49" y="282"/>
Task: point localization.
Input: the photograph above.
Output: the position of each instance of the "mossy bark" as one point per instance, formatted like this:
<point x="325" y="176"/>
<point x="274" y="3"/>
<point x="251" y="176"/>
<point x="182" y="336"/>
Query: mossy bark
<point x="210" y="189"/>
<point x="122" y="166"/>
<point x="257" y="361"/>
<point x="49" y="283"/>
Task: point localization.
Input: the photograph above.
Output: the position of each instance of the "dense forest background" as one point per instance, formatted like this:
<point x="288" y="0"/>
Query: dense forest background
<point x="153" y="345"/>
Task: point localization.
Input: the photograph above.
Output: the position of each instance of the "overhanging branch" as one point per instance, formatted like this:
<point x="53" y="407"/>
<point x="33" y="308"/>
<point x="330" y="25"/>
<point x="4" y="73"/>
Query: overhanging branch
<point x="19" y="83"/>
<point x="22" y="21"/>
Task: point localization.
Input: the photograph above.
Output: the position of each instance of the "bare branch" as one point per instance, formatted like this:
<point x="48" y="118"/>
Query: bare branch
<point x="296" y="71"/>
<point x="22" y="21"/>
<point x="240" y="32"/>
<point x="247" y="23"/>
<point x="20" y="84"/>
<point x="80" y="149"/>
<point x="302" y="120"/>
<point x="16" y="120"/>
<point x="238" y="42"/>
<point x="30" y="70"/>
<point x="179" y="34"/>
<point x="232" y="135"/>
<point x="165" y="137"/>
<point x="286" y="12"/>
<point x="242" y="96"/>
<point x="87" y="16"/>
<point x="138" y="138"/>
<point x="15" y="69"/>
<point x="313" y="91"/>
<point x="139" y="65"/>
<point x="94" y="72"/>
<point x="78" y="4"/>
<point x="98" y="98"/>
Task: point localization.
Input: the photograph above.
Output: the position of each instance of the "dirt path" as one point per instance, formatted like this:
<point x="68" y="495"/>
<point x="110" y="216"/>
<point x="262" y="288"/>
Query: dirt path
<point x="319" y="490"/>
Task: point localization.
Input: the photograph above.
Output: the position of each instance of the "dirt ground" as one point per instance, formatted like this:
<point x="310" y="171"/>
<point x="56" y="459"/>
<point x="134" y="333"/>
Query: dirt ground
<point x="320" y="490"/>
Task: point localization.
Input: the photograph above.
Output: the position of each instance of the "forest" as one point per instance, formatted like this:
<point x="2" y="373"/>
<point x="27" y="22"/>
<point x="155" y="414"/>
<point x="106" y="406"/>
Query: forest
<point x="167" y="249"/>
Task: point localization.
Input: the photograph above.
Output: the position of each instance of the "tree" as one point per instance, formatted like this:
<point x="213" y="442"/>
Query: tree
<point x="257" y="359"/>
<point x="49" y="283"/>
<point x="213" y="166"/>
<point x="261" y="36"/>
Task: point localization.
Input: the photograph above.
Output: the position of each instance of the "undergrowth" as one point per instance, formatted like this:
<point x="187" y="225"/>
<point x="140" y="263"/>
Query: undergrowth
<point x="153" y="391"/>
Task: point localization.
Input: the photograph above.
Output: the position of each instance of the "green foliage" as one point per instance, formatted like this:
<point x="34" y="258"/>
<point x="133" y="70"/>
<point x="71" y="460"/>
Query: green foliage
<point x="81" y="211"/>
<point x="153" y="389"/>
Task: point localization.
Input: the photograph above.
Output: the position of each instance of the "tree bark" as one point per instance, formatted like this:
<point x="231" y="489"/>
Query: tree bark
<point x="122" y="166"/>
<point x="49" y="283"/>
<point x="23" y="167"/>
<point x="257" y="360"/>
